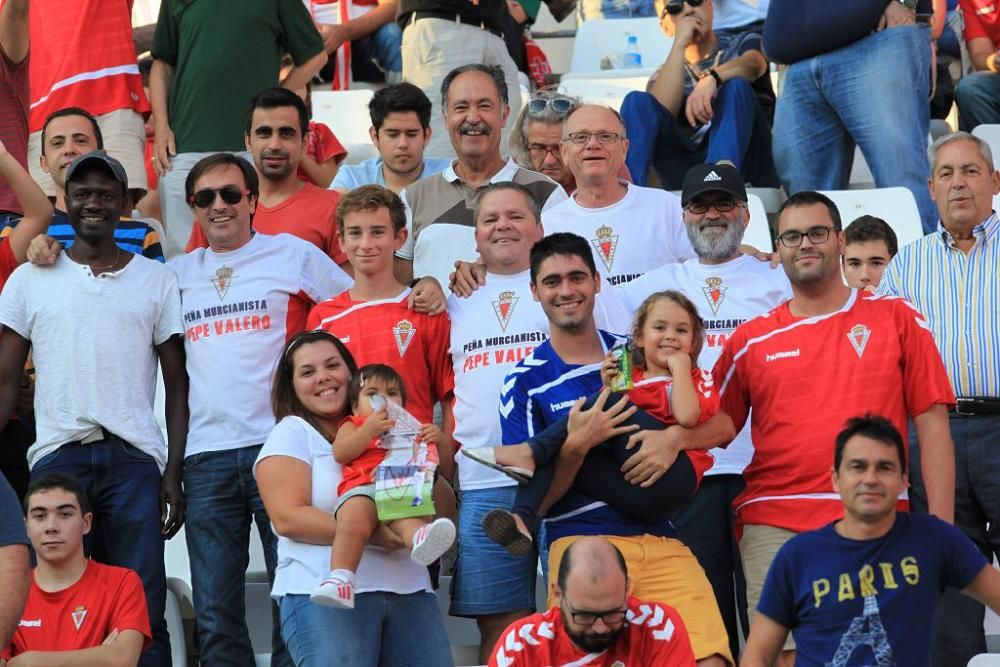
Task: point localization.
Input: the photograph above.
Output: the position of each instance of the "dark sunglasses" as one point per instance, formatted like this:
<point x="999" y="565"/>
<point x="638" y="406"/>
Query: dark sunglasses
<point x="230" y="194"/>
<point x="560" y="105"/>
<point x="675" y="7"/>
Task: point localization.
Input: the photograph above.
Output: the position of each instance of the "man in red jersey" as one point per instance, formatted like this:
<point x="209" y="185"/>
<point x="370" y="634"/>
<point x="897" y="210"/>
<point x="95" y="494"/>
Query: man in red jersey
<point x="597" y="623"/>
<point x="79" y="611"/>
<point x="828" y="354"/>
<point x="277" y="124"/>
<point x="374" y="319"/>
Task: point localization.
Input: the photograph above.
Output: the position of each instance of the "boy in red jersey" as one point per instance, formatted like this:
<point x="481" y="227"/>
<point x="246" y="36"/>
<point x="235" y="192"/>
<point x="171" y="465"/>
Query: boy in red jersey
<point x="79" y="611"/>
<point x="828" y="354"/>
<point x="373" y="318"/>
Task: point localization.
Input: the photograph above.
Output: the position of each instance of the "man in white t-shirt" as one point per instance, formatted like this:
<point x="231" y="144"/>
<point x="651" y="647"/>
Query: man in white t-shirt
<point x="242" y="298"/>
<point x="98" y="321"/>
<point x="493" y="329"/>
<point x="631" y="229"/>
<point x="729" y="288"/>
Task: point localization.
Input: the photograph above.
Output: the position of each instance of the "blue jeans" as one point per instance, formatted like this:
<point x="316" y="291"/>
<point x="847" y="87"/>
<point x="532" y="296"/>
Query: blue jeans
<point x="379" y="55"/>
<point x="849" y="96"/>
<point x="123" y="486"/>
<point x="383" y="629"/>
<point x="222" y="499"/>
<point x="978" y="99"/>
<point x="958" y="631"/>
<point x="739" y="133"/>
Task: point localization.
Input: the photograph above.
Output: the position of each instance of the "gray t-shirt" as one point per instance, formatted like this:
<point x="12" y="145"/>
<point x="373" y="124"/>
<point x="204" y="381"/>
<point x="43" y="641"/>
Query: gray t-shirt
<point x="730" y="44"/>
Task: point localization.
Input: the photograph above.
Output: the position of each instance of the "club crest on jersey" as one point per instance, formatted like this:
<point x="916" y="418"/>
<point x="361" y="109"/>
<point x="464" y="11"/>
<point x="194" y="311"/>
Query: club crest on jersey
<point x="715" y="293"/>
<point x="79" y="614"/>
<point x="606" y="244"/>
<point x="222" y="280"/>
<point x="404" y="331"/>
<point x="504" y="307"/>
<point x="858" y="336"/>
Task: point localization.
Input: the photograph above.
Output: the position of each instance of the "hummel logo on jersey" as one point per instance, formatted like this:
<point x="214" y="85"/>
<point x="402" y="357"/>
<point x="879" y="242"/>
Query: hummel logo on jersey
<point x="504" y="307"/>
<point x="858" y="336"/>
<point x="35" y="623"/>
<point x="222" y="281"/>
<point x="556" y="407"/>
<point x="782" y="355"/>
<point x="79" y="614"/>
<point x="404" y="331"/>
<point x="712" y="176"/>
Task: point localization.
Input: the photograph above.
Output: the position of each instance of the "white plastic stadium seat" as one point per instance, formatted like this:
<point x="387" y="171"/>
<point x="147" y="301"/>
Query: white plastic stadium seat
<point x="604" y="90"/>
<point x="894" y="205"/>
<point x="758" y="234"/>
<point x="991" y="135"/>
<point x="597" y="38"/>
<point x="985" y="660"/>
<point x="346" y="113"/>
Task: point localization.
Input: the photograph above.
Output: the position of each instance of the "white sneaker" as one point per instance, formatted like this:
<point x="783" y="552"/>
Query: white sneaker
<point x="334" y="592"/>
<point x="432" y="541"/>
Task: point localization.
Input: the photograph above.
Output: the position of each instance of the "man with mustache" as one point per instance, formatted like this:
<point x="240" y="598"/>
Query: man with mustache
<point x="440" y="224"/>
<point x="729" y="288"/>
<point x="828" y="354"/>
<point x="596" y="614"/>
<point x="276" y="138"/>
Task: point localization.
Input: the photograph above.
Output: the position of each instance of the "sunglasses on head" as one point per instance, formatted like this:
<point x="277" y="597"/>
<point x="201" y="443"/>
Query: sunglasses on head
<point x="230" y="194"/>
<point x="675" y="7"/>
<point x="560" y="105"/>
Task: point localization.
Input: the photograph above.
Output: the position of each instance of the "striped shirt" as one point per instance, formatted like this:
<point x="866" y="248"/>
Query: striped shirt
<point x="134" y="236"/>
<point x="959" y="294"/>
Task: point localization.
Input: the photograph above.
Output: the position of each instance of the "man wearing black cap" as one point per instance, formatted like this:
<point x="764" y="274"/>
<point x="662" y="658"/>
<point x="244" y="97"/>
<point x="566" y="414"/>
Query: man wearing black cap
<point x="729" y="287"/>
<point x="98" y="321"/>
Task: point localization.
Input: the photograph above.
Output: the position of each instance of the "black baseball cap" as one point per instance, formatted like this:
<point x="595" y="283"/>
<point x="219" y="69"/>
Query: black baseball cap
<point x="98" y="157"/>
<point x="704" y="178"/>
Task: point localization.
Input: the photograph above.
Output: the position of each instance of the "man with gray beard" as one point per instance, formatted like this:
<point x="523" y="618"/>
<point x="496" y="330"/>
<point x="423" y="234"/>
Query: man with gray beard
<point x="729" y="287"/>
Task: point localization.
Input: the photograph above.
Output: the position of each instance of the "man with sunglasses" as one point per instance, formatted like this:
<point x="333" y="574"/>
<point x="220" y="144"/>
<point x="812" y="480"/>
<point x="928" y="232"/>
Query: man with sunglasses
<point x="596" y="617"/>
<point x="536" y="139"/>
<point x="701" y="104"/>
<point x="828" y="354"/>
<point x="242" y="297"/>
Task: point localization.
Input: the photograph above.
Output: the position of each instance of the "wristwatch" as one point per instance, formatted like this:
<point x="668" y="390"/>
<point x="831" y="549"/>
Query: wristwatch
<point x="908" y="4"/>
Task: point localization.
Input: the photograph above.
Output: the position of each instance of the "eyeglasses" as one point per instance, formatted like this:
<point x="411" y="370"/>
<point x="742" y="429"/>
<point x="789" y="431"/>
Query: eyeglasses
<point x="793" y="238"/>
<point x="561" y="105"/>
<point x="720" y="205"/>
<point x="539" y="151"/>
<point x="581" y="138"/>
<point x="230" y="194"/>
<point x="611" y="618"/>
<point x="675" y="7"/>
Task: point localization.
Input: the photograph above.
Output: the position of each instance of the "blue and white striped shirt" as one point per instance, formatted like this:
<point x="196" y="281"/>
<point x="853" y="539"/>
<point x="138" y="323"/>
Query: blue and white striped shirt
<point x="959" y="295"/>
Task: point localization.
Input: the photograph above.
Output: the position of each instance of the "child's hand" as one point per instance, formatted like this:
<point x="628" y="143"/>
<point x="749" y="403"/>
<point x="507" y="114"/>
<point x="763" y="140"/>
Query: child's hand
<point x="609" y="370"/>
<point x="378" y="423"/>
<point x="430" y="434"/>
<point x="679" y="363"/>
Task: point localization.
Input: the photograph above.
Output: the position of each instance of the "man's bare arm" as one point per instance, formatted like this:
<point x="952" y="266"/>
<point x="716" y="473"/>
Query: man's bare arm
<point x="764" y="643"/>
<point x="37" y="209"/>
<point x="164" y="145"/>
<point x="937" y="461"/>
<point x="300" y="75"/>
<point x="15" y="577"/>
<point x="14" y="30"/>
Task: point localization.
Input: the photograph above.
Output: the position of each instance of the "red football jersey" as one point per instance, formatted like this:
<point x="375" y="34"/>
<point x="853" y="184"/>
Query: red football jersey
<point x="83" y="615"/>
<point x="653" y="396"/>
<point x="387" y="332"/>
<point x="805" y="377"/>
<point x="655" y="635"/>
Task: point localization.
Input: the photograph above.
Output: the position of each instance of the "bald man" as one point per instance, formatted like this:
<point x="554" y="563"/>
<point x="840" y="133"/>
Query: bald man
<point x="594" y="589"/>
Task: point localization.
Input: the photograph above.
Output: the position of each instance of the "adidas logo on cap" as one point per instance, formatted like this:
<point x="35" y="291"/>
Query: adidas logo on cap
<point x="712" y="176"/>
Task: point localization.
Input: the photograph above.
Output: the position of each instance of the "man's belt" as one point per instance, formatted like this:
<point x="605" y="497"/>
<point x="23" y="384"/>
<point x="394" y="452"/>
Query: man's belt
<point x="977" y="405"/>
<point x="455" y="18"/>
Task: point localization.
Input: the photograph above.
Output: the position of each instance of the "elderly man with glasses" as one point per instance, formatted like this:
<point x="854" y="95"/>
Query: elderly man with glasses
<point x="704" y="103"/>
<point x="535" y="139"/>
<point x="596" y="614"/>
<point x="799" y="372"/>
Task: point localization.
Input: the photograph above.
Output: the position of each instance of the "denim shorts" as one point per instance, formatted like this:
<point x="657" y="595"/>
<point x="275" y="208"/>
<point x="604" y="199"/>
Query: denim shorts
<point x="488" y="580"/>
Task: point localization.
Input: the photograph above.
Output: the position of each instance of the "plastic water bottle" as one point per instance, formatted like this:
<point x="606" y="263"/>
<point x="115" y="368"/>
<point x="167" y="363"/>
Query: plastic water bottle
<point x="633" y="58"/>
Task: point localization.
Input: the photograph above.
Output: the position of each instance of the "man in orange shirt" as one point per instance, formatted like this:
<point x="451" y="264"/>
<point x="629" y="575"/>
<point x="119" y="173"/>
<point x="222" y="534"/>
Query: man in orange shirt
<point x="276" y="137"/>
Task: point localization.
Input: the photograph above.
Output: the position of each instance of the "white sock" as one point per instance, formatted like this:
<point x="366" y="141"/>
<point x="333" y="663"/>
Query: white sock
<point x="342" y="575"/>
